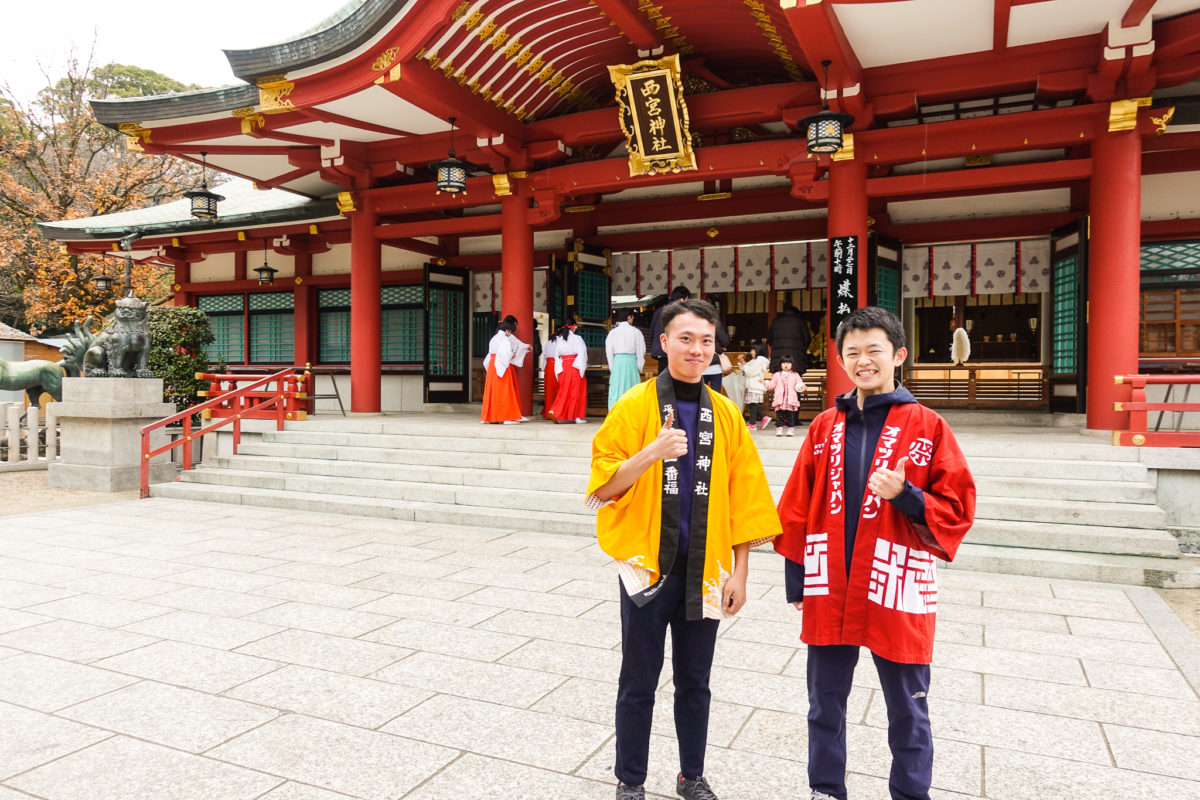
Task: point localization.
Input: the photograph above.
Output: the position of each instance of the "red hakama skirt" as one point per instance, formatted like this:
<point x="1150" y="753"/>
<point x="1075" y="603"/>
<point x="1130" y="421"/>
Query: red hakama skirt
<point x="550" y="382"/>
<point x="570" y="403"/>
<point x="500" y="399"/>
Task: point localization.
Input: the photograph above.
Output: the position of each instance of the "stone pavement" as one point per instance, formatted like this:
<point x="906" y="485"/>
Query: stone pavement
<point x="171" y="650"/>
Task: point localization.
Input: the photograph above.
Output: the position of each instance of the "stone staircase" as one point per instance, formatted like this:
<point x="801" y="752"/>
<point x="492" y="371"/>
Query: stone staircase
<point x="1061" y="504"/>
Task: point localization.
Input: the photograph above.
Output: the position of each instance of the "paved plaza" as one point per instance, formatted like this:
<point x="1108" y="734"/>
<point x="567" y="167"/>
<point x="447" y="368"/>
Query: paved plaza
<point x="164" y="650"/>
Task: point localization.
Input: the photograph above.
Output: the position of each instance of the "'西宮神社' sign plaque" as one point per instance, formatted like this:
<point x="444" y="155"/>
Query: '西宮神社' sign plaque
<point x="654" y="116"/>
<point x="843" y="279"/>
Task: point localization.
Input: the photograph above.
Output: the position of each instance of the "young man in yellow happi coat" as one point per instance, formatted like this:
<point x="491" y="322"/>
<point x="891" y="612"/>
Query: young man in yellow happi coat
<point x="682" y="498"/>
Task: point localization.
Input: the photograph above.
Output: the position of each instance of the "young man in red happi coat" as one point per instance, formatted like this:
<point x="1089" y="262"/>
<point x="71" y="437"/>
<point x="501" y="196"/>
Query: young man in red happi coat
<point x="879" y="493"/>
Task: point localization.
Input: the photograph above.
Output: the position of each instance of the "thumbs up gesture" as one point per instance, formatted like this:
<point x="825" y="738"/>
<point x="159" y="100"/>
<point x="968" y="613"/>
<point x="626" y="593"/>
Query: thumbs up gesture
<point x="670" y="442"/>
<point x="888" y="483"/>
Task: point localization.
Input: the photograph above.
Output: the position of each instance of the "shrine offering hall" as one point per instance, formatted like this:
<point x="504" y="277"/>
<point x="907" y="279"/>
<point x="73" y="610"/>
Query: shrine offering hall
<point x="382" y="188"/>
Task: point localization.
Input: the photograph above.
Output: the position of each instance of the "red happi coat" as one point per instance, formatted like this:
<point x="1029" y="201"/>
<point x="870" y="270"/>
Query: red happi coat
<point x="889" y="603"/>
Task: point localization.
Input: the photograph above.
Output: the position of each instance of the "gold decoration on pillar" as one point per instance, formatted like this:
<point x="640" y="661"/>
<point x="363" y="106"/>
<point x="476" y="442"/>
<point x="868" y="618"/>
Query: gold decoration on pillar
<point x="273" y="92"/>
<point x="250" y="118"/>
<point x="1122" y="114"/>
<point x="1138" y="439"/>
<point x="712" y="233"/>
<point x="847" y="151"/>
<point x="137" y="136"/>
<point x="345" y="202"/>
<point x="501" y="186"/>
<point x="1162" y="121"/>
<point x="870" y="225"/>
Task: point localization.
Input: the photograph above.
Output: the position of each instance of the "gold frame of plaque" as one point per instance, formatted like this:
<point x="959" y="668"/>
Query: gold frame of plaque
<point x="654" y="116"/>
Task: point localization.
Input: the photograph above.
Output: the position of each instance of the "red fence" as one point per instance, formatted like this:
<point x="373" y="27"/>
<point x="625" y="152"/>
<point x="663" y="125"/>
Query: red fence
<point x="1141" y="432"/>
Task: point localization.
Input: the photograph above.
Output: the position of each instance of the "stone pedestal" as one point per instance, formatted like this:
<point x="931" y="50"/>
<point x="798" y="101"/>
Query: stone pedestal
<point x="101" y="421"/>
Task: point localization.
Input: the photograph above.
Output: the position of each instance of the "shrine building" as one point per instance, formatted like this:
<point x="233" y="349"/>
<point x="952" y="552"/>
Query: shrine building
<point x="1027" y="170"/>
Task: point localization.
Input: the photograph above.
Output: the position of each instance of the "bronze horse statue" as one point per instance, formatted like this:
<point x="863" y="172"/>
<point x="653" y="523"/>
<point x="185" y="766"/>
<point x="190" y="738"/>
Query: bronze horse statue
<point x="40" y="376"/>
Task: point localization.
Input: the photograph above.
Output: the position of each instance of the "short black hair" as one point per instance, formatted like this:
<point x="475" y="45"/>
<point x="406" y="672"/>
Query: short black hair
<point x="680" y="292"/>
<point x="754" y="348"/>
<point x="507" y="326"/>
<point x="701" y="308"/>
<point x="864" y="319"/>
<point x="788" y="358"/>
<point x="512" y="319"/>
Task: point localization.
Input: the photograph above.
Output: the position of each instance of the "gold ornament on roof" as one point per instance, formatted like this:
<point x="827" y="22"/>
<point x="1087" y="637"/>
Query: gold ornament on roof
<point x="385" y="59"/>
<point x="1162" y="121"/>
<point x="1122" y="114"/>
<point x="273" y="94"/>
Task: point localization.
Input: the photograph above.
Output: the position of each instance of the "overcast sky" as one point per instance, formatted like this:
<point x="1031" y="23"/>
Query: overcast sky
<point x="180" y="39"/>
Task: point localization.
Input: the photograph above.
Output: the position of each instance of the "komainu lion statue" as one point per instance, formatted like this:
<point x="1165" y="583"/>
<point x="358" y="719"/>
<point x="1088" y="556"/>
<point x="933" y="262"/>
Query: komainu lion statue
<point x="120" y="350"/>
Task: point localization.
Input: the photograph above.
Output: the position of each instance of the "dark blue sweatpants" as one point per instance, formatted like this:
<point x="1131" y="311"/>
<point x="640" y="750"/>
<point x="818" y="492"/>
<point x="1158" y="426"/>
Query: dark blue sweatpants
<point x="643" y="643"/>
<point x="905" y="686"/>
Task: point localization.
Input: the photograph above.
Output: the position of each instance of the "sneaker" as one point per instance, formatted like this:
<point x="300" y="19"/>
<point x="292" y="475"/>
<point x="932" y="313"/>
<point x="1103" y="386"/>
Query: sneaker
<point x="694" y="790"/>
<point x="779" y="432"/>
<point x="512" y="422"/>
<point x="751" y="427"/>
<point x="790" y="432"/>
<point x="764" y="422"/>
<point x="821" y="796"/>
<point x="581" y="421"/>
<point x="626" y="792"/>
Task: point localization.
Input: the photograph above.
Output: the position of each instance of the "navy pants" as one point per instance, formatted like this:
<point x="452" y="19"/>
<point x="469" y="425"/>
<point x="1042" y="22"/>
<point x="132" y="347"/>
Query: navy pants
<point x="905" y="686"/>
<point x="643" y="643"/>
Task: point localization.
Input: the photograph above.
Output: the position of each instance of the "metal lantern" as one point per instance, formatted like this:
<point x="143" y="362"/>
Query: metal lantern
<point x="204" y="202"/>
<point x="824" y="129"/>
<point x="103" y="283"/>
<point x="265" y="273"/>
<point x="451" y="172"/>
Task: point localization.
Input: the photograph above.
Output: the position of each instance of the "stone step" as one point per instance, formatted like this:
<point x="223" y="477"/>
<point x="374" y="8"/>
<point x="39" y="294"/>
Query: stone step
<point x="1065" y="488"/>
<point x="1077" y="538"/>
<point x="388" y="508"/>
<point x="1069" y="512"/>
<point x="527" y="500"/>
<point x="1176" y="573"/>
<point x="458" y="444"/>
<point x="433" y="458"/>
<point x="1132" y="471"/>
<point x="455" y="475"/>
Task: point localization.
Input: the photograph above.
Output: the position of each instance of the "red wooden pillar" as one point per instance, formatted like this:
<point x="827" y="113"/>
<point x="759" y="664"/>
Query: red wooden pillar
<point x="1113" y="273"/>
<point x="366" y="300"/>
<point x="302" y="317"/>
<point x="847" y="217"/>
<point x="183" y="276"/>
<point x="516" y="271"/>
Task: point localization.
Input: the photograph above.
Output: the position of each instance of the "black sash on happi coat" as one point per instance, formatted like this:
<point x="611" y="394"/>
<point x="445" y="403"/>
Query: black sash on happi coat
<point x="702" y="451"/>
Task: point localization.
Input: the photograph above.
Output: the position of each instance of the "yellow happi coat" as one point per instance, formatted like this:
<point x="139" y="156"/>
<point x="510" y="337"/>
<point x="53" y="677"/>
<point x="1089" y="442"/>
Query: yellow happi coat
<point x="740" y="507"/>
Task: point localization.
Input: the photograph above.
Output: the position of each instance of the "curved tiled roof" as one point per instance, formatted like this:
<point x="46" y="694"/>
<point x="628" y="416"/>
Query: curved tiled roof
<point x="174" y="106"/>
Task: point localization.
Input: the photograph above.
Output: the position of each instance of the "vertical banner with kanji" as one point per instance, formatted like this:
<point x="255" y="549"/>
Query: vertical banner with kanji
<point x="654" y="116"/>
<point x="843" y="279"/>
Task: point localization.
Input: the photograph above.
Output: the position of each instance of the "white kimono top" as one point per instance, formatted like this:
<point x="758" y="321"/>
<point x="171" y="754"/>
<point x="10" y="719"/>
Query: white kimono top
<point x="573" y="345"/>
<point x="624" y="338"/>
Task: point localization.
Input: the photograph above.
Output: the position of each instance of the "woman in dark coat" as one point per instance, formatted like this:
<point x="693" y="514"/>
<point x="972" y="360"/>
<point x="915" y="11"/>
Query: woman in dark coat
<point x="789" y="334"/>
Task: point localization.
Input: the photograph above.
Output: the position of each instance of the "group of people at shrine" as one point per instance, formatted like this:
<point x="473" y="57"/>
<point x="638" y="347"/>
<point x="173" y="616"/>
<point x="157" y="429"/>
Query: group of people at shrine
<point x="565" y="356"/>
<point x="880" y="491"/>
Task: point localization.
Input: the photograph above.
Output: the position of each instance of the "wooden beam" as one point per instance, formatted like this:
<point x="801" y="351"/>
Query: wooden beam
<point x="1137" y="11"/>
<point x="631" y="23"/>
<point x="1012" y="178"/>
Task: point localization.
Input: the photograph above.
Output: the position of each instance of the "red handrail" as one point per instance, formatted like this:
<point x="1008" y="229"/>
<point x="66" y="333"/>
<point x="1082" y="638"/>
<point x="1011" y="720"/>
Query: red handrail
<point x="1139" y="410"/>
<point x="290" y="387"/>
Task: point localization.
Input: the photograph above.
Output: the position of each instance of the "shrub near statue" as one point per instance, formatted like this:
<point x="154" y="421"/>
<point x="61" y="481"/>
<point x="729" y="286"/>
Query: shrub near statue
<point x="121" y="349"/>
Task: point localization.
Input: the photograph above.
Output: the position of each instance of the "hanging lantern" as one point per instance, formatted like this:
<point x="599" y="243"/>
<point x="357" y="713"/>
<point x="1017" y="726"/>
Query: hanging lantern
<point x="824" y="129"/>
<point x="451" y="172"/>
<point x="204" y="202"/>
<point x="265" y="273"/>
<point x="103" y="283"/>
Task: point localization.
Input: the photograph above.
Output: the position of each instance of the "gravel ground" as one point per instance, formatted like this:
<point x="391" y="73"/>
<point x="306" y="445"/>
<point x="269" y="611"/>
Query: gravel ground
<point x="23" y="492"/>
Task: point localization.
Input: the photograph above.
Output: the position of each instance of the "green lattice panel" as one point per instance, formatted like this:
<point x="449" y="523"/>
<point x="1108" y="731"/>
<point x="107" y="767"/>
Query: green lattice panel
<point x="592" y="337"/>
<point x="403" y="332"/>
<point x="333" y="298"/>
<point x="887" y="289"/>
<point x="272" y="301"/>
<point x="403" y="295"/>
<point x="219" y="303"/>
<point x="447" y="315"/>
<point x="1064" y="336"/>
<point x="1170" y="256"/>
<point x="591" y="299"/>
<point x="228" y="338"/>
<point x="272" y="338"/>
<point x="483" y="327"/>
<point x="334" y="337"/>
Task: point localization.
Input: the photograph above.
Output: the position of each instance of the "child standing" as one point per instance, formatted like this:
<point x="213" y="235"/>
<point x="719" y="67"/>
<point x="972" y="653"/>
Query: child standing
<point x="787" y="386"/>
<point x="754" y="367"/>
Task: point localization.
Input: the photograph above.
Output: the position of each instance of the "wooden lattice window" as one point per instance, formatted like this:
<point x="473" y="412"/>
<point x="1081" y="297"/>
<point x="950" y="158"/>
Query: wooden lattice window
<point x="1170" y="323"/>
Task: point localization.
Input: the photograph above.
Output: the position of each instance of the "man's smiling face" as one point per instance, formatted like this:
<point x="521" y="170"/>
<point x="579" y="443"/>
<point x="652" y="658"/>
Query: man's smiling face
<point x="870" y="360"/>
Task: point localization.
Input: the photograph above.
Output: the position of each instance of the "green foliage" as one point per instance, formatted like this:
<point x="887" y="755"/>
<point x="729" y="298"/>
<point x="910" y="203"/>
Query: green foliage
<point x="178" y="335"/>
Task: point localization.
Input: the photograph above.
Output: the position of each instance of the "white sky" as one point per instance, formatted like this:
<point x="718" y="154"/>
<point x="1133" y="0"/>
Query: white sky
<point x="182" y="40"/>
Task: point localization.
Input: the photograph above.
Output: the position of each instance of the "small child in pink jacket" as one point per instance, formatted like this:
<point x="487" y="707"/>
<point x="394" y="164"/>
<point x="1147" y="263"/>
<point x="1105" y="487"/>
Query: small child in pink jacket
<point x="787" y="386"/>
